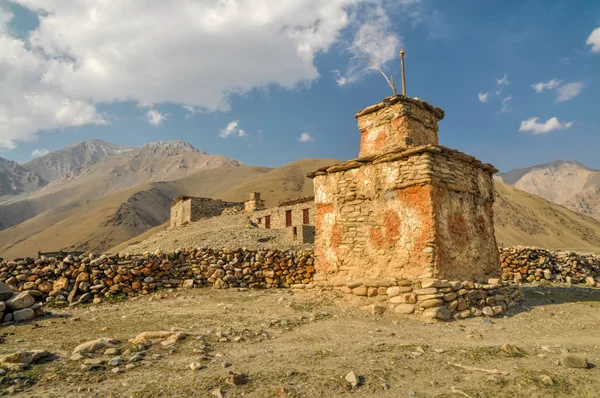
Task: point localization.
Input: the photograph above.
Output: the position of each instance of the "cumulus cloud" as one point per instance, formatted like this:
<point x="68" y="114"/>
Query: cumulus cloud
<point x="503" y="81"/>
<point x="594" y="40"/>
<point x="505" y="108"/>
<point x="305" y="137"/>
<point x="339" y="79"/>
<point x="483" y="97"/>
<point x="568" y="91"/>
<point x="232" y="129"/>
<point x="155" y="118"/>
<point x="36" y="153"/>
<point x="84" y="53"/>
<point x="28" y="102"/>
<point x="533" y="125"/>
<point x="549" y="85"/>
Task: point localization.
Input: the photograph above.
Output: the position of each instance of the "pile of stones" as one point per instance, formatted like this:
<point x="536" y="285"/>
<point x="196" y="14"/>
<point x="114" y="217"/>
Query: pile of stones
<point x="441" y="299"/>
<point x="89" y="278"/>
<point x="530" y="264"/>
<point x="18" y="306"/>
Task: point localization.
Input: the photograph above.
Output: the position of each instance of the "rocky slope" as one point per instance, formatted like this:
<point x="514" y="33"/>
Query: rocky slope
<point x="119" y="170"/>
<point x="65" y="163"/>
<point x="568" y="183"/>
<point x="16" y="179"/>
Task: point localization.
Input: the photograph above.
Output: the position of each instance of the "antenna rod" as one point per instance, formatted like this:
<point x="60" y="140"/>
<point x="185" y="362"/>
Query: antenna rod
<point x="403" y="76"/>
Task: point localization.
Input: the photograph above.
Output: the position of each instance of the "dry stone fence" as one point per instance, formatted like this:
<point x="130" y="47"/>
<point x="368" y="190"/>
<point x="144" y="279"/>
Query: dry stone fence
<point x="25" y="284"/>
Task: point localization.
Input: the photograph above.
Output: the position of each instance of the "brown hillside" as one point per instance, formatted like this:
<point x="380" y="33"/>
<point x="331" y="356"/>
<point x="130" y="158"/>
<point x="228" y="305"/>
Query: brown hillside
<point x="103" y="223"/>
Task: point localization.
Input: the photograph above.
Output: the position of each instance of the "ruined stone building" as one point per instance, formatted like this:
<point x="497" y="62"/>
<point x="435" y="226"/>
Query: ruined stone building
<point x="188" y="209"/>
<point x="296" y="215"/>
<point x="407" y="207"/>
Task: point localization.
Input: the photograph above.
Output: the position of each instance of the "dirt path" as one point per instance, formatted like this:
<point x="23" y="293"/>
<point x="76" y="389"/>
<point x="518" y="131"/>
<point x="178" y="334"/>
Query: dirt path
<point x="304" y="344"/>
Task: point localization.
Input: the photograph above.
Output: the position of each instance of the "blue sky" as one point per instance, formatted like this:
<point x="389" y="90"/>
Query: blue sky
<point x="286" y="78"/>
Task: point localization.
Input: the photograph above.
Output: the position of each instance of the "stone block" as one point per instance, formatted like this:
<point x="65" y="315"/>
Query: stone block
<point x="431" y="303"/>
<point x="405" y="308"/>
<point x="24" y="314"/>
<point x="19" y="300"/>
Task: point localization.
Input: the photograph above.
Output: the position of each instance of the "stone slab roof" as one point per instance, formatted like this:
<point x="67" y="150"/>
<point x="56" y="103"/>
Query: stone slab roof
<point x="403" y="154"/>
<point x="438" y="112"/>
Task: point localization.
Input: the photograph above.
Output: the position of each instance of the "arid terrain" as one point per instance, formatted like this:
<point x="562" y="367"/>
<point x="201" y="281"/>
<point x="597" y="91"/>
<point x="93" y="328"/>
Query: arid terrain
<point x="300" y="345"/>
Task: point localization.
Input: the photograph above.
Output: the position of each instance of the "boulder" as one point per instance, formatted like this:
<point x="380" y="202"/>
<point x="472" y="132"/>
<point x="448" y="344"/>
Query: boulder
<point x="23" y="315"/>
<point x="20" y="300"/>
<point x="5" y="291"/>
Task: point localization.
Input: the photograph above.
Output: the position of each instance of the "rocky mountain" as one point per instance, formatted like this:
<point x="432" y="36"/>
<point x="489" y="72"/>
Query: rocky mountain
<point x="16" y="179"/>
<point x="65" y="163"/>
<point x="109" y="169"/>
<point x="568" y="183"/>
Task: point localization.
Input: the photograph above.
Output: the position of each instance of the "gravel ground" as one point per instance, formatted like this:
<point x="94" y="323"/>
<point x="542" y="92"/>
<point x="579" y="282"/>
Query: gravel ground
<point x="230" y="231"/>
<point x="304" y="344"/>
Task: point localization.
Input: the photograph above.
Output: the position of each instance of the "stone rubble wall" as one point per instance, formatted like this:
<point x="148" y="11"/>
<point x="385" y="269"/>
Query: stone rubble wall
<point x="87" y="278"/>
<point x="531" y="264"/>
<point x="25" y="284"/>
<point x="440" y="299"/>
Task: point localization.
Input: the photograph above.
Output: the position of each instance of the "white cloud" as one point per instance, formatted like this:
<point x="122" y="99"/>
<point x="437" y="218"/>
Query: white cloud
<point x="191" y="111"/>
<point x="305" y="137"/>
<point x="86" y="53"/>
<point x="569" y="91"/>
<point x="549" y="85"/>
<point x="155" y="118"/>
<point x="374" y="38"/>
<point x="594" y="40"/>
<point x="28" y="103"/>
<point x="483" y="97"/>
<point x="232" y="129"/>
<point x="497" y="93"/>
<point x="339" y="79"/>
<point x="506" y="104"/>
<point x="536" y="127"/>
<point x="39" y="152"/>
<point x="503" y="81"/>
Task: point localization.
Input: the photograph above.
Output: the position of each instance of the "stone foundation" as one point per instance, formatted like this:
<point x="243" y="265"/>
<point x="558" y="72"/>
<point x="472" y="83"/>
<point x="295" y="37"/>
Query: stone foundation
<point x="440" y="299"/>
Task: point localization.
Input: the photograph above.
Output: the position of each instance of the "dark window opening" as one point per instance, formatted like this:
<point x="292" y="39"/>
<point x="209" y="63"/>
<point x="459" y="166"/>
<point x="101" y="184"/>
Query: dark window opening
<point x="305" y="218"/>
<point x="288" y="218"/>
<point x="267" y="222"/>
<point x="295" y="232"/>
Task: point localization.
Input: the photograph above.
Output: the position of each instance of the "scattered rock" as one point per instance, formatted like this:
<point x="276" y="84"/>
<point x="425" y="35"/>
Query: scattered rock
<point x="353" y="379"/>
<point x="237" y="379"/>
<point x="217" y="392"/>
<point x="375" y="309"/>
<point x="511" y="350"/>
<point x="95" y="345"/>
<point x="547" y="380"/>
<point x="574" y="361"/>
<point x="405" y="308"/>
<point x="116" y="361"/>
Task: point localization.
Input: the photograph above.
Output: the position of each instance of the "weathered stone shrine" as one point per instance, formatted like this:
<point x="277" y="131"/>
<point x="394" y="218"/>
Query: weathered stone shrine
<point x="407" y="207"/>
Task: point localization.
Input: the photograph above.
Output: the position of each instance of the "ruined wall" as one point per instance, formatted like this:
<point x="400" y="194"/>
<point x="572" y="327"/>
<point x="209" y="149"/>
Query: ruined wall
<point x="399" y="124"/>
<point x="186" y="209"/>
<point x="278" y="215"/>
<point x="463" y="198"/>
<point x="181" y="213"/>
<point x="375" y="220"/>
